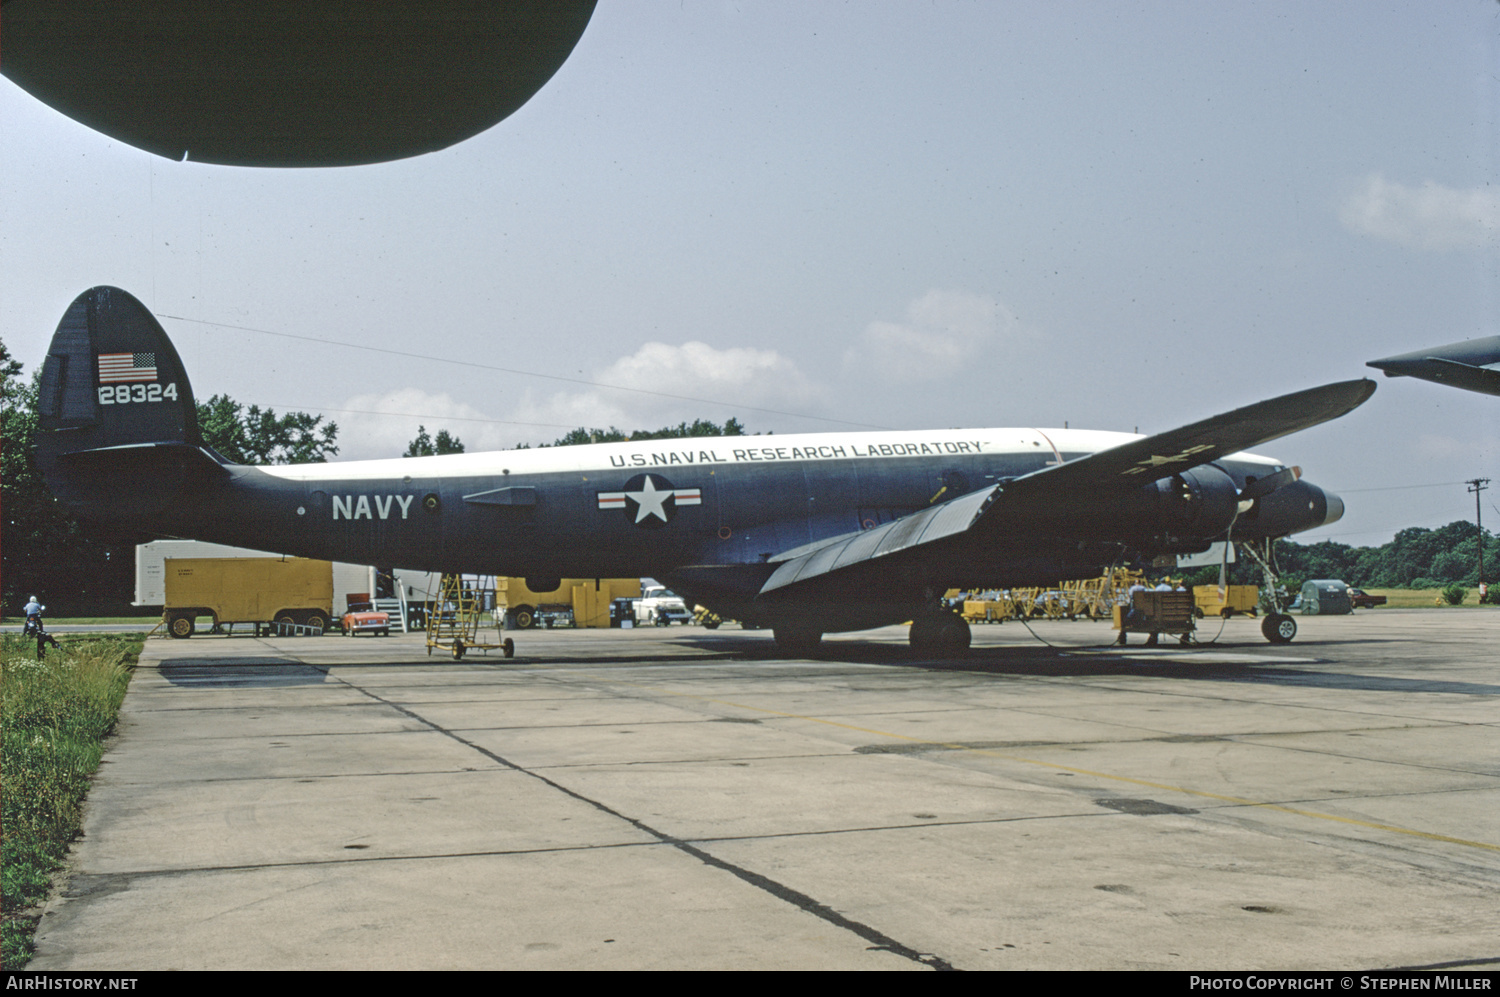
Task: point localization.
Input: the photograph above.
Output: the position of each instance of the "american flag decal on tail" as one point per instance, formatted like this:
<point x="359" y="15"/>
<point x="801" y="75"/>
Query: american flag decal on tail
<point x="117" y="367"/>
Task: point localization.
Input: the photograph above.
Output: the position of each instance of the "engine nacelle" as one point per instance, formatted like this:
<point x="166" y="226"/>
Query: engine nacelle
<point x="1291" y="508"/>
<point x="1198" y="504"/>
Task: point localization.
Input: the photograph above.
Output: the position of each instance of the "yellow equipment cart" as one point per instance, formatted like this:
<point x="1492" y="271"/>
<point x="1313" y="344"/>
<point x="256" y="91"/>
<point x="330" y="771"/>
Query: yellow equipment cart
<point x="455" y="622"/>
<point x="1157" y="613"/>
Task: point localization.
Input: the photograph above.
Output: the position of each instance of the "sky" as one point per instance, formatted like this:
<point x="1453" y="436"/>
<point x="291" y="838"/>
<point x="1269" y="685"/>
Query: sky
<point x="819" y="216"/>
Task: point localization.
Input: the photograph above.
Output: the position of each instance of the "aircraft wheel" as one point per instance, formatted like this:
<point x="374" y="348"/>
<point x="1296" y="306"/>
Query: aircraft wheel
<point x="285" y="618"/>
<point x="180" y="626"/>
<point x="795" y="640"/>
<point x="525" y="618"/>
<point x="711" y="624"/>
<point x="942" y="633"/>
<point x="1278" y="628"/>
<point x="316" y="619"/>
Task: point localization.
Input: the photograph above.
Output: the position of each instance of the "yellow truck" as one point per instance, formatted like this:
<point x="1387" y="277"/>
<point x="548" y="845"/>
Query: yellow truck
<point x="576" y="602"/>
<point x="293" y="591"/>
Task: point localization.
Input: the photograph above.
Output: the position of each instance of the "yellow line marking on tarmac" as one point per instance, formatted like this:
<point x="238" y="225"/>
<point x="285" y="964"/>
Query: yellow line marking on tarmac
<point x="1241" y="801"/>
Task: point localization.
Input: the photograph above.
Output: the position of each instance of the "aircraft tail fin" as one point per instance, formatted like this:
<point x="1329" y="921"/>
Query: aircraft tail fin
<point x="117" y="425"/>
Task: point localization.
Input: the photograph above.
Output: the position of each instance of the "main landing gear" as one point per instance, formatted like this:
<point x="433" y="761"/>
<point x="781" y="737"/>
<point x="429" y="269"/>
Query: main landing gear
<point x="940" y="632"/>
<point x="1277" y="627"/>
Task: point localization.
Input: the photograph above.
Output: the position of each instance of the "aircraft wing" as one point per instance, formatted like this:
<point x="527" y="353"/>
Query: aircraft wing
<point x="1485" y="380"/>
<point x="1473" y="365"/>
<point x="1143" y="461"/>
<point x="1118" y="469"/>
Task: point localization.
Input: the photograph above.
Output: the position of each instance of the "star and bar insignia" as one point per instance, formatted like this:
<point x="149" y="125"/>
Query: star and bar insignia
<point x="1155" y="461"/>
<point x="650" y="500"/>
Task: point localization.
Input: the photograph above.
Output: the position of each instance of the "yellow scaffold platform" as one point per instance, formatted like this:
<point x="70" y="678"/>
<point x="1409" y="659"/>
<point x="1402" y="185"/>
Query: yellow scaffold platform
<point x="1090" y="598"/>
<point x="455" y="624"/>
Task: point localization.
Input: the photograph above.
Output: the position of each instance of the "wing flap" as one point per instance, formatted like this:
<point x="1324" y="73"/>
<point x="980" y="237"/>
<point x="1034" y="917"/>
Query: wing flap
<point x="924" y="527"/>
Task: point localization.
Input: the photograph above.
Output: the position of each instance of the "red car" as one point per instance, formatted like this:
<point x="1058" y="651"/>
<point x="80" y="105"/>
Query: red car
<point x="362" y="618"/>
<point x="1361" y="600"/>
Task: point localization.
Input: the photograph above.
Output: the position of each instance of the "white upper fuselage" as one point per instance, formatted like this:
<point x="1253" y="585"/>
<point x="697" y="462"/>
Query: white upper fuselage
<point x="684" y="453"/>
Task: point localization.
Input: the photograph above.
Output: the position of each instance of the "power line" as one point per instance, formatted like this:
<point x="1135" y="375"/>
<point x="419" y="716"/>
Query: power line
<point x="1399" y="488"/>
<point x="418" y="415"/>
<point x="521" y="373"/>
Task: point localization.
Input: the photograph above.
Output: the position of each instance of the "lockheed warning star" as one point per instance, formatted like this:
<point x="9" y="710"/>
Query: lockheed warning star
<point x="807" y="534"/>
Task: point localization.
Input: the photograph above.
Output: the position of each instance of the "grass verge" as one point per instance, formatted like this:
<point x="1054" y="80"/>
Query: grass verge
<point x="52" y="621"/>
<point x="54" y="716"/>
<point x="1421" y="598"/>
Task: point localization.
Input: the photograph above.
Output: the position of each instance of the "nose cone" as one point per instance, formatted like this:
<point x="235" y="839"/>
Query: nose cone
<point x="1335" y="507"/>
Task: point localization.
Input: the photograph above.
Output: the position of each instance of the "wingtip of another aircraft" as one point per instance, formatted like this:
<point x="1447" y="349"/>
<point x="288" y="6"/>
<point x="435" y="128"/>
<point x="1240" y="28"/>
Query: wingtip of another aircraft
<point x="1473" y="364"/>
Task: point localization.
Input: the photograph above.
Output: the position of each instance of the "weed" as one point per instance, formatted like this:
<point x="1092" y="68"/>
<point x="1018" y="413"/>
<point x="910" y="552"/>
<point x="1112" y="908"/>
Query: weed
<point x="54" y="716"/>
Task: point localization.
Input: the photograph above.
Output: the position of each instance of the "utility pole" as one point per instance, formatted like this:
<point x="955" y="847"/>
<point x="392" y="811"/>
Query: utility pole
<point x="1477" y="485"/>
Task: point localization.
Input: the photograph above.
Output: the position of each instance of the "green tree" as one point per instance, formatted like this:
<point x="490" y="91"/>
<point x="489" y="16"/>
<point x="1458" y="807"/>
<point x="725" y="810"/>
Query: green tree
<point x="253" y="436"/>
<point x="426" y="446"/>
<point x="43" y="550"/>
<point x="1417" y="557"/>
<point x="699" y="427"/>
<point x="581" y="436"/>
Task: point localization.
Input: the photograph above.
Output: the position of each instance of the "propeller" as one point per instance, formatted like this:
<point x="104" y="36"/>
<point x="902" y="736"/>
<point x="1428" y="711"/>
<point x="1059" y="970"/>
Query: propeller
<point x="1265" y="486"/>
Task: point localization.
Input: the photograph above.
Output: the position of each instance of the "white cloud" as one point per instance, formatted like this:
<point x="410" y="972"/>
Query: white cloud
<point x="1427" y="217"/>
<point x="944" y="332"/>
<point x="382" y="425"/>
<point x="674" y="384"/>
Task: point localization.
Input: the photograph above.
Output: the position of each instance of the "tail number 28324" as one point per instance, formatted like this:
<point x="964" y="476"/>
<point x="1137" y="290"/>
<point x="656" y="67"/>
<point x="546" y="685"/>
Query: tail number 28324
<point x="125" y="394"/>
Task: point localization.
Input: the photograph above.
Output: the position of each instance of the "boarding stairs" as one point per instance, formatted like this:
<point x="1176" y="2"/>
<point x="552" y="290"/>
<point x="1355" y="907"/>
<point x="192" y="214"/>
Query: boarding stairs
<point x="396" y="609"/>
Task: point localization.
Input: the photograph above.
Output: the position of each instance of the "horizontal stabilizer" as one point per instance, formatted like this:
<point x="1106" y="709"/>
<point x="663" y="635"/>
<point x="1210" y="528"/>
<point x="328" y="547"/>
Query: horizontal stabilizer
<point x="145" y="457"/>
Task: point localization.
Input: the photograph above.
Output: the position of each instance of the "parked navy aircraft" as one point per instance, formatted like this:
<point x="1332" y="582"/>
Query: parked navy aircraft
<point x="807" y="534"/>
<point x="1473" y="365"/>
